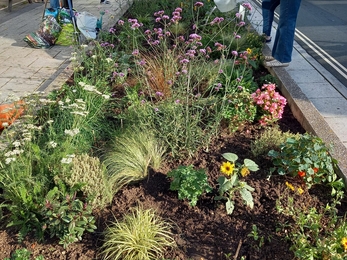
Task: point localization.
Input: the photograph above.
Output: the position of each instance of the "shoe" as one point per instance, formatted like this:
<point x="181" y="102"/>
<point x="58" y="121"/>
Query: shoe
<point x="268" y="58"/>
<point x="267" y="39"/>
<point x="276" y="63"/>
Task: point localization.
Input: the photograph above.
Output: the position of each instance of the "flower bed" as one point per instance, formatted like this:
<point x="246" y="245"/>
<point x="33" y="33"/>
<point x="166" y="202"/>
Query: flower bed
<point x="170" y="142"/>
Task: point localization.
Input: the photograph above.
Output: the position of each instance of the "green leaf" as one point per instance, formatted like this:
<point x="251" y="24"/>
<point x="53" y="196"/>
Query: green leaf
<point x="71" y="227"/>
<point x="251" y="165"/>
<point x="273" y="153"/>
<point x="246" y="186"/>
<point x="221" y="180"/>
<point x="67" y="219"/>
<point x="231" y="157"/>
<point x="233" y="180"/>
<point x="247" y="197"/>
<point x="290" y="141"/>
<point x="219" y="198"/>
<point x="229" y="205"/>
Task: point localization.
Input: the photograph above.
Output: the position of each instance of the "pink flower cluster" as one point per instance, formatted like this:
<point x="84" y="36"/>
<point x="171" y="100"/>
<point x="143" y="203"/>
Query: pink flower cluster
<point x="271" y="102"/>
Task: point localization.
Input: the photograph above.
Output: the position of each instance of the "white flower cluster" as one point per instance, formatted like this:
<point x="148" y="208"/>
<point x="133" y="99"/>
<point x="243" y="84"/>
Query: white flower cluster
<point x="78" y="108"/>
<point x="52" y="144"/>
<point x="72" y="132"/>
<point x="14" y="152"/>
<point x="93" y="89"/>
<point x="11" y="155"/>
<point x="67" y="159"/>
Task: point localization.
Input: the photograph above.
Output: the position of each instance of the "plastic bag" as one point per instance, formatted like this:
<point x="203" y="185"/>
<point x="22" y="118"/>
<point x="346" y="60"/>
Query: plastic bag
<point x="86" y="23"/>
<point x="49" y="29"/>
<point x="64" y="16"/>
<point x="67" y="36"/>
<point x="36" y="41"/>
<point x="51" y="12"/>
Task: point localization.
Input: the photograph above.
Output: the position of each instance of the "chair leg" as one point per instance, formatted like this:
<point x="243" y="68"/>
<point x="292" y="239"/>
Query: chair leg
<point x="44" y="9"/>
<point x="10" y="5"/>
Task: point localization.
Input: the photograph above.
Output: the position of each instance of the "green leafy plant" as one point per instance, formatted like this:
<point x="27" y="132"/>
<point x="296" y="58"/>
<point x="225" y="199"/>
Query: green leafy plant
<point x="66" y="217"/>
<point x="315" y="233"/>
<point x="23" y="254"/>
<point x="307" y="157"/>
<point x="228" y="186"/>
<point x="255" y="234"/>
<point x="189" y="182"/>
<point x="239" y="109"/>
<point x="140" y="235"/>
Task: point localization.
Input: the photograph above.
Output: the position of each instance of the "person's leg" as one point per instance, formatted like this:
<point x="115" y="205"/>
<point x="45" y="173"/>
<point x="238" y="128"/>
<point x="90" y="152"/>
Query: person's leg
<point x="268" y="9"/>
<point x="284" y="40"/>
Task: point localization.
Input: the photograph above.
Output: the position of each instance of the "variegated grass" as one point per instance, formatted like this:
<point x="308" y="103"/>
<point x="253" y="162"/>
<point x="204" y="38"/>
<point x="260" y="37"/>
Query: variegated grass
<point x="141" y="235"/>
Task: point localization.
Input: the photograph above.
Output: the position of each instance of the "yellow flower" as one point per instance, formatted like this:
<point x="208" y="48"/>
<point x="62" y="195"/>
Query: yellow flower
<point x="227" y="168"/>
<point x="249" y="50"/>
<point x="244" y="171"/>
<point x="300" y="190"/>
<point x="290" y="186"/>
<point x="344" y="243"/>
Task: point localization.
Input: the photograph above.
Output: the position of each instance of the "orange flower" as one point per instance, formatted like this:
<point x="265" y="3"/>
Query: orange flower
<point x="301" y="173"/>
<point x="315" y="170"/>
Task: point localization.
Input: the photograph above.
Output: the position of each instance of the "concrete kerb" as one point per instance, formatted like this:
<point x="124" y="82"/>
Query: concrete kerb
<point x="309" y="117"/>
<point x="65" y="72"/>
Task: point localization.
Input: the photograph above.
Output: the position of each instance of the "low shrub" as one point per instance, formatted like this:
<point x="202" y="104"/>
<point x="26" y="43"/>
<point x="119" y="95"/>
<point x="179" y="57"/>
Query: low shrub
<point x="270" y="139"/>
<point x="89" y="175"/>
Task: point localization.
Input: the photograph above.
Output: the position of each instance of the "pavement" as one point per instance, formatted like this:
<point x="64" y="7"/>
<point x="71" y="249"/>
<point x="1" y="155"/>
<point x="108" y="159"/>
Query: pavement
<point x="24" y="69"/>
<point x="317" y="99"/>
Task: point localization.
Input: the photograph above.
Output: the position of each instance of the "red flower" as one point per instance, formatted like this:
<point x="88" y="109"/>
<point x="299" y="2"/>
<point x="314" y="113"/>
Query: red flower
<point x="315" y="170"/>
<point x="301" y="173"/>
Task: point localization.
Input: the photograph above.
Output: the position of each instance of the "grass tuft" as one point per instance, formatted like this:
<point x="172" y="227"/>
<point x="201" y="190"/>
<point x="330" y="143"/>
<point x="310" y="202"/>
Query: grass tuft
<point x="131" y="154"/>
<point x="141" y="235"/>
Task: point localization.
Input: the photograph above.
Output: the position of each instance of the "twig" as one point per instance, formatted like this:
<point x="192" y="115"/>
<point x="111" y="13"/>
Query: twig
<point x="238" y="250"/>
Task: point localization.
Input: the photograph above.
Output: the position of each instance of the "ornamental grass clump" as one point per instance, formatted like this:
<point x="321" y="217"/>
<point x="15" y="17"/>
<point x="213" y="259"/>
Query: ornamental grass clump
<point x="140" y="235"/>
<point x="131" y="154"/>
